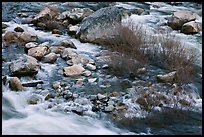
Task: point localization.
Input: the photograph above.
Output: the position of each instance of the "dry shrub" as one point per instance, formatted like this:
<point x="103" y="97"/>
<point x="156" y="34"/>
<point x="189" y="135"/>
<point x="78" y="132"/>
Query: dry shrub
<point x="127" y="43"/>
<point x="169" y="53"/>
<point x="135" y="49"/>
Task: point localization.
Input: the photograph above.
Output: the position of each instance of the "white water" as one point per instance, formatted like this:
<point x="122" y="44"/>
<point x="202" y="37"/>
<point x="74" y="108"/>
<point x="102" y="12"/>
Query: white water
<point x="38" y="121"/>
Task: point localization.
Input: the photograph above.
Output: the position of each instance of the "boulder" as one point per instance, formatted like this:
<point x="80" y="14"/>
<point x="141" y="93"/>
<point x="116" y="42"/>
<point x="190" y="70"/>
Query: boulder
<point x="50" y="58"/>
<point x="45" y="14"/>
<point x="15" y="84"/>
<point x="179" y="18"/>
<point x="99" y="25"/>
<point x="25" y="65"/>
<point x="190" y="28"/>
<point x="10" y="37"/>
<point x="57" y="49"/>
<point x="73" y="71"/>
<point x="68" y="53"/>
<point x="37" y="52"/>
<point x="66" y="44"/>
<point x="26" y="37"/>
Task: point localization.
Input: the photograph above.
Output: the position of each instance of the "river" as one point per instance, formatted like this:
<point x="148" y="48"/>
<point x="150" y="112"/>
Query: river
<point x="21" y="118"/>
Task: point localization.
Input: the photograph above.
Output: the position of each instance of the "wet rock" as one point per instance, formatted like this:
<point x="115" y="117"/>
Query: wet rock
<point x="15" y="84"/>
<point x="56" y="85"/>
<point x="98" y="26"/>
<point x="92" y="80"/>
<point x="49" y="95"/>
<point x="87" y="73"/>
<point x="170" y="77"/>
<point x="100" y="96"/>
<point x="142" y="101"/>
<point x="66" y="44"/>
<point x="190" y="28"/>
<point x="91" y="67"/>
<point x="95" y="108"/>
<point x="105" y="66"/>
<point x="41" y="25"/>
<point x="114" y="94"/>
<point x="22" y="15"/>
<point x="109" y="108"/>
<point x="18" y="29"/>
<point x="141" y="70"/>
<point x="56" y="31"/>
<point x="33" y="100"/>
<point x="73" y="71"/>
<point x="50" y="58"/>
<point x="82" y="101"/>
<point x="75" y="95"/>
<point x="68" y="53"/>
<point x="73" y="29"/>
<point x="10" y="37"/>
<point x="93" y="97"/>
<point x="136" y="11"/>
<point x="79" y="83"/>
<point x="4" y="26"/>
<point x="179" y="18"/>
<point x="76" y="15"/>
<point x="121" y="106"/>
<point x="68" y="95"/>
<point x="4" y="80"/>
<point x="37" y="52"/>
<point x="78" y="110"/>
<point x="57" y="49"/>
<point x="26" y="37"/>
<point x="79" y="59"/>
<point x="30" y="45"/>
<point x="25" y="65"/>
<point x="45" y="14"/>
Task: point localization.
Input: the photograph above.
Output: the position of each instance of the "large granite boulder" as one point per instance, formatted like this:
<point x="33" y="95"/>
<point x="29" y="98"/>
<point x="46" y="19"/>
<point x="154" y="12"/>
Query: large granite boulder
<point x="99" y="25"/>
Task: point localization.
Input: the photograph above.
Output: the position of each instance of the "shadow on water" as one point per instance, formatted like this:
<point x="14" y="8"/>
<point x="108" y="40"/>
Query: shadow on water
<point x="169" y="121"/>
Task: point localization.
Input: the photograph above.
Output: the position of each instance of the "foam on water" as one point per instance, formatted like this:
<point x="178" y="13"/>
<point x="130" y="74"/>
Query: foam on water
<point x="38" y="121"/>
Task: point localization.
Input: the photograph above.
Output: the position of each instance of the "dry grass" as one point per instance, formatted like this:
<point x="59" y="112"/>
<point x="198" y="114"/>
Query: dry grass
<point x="127" y="45"/>
<point x="135" y="49"/>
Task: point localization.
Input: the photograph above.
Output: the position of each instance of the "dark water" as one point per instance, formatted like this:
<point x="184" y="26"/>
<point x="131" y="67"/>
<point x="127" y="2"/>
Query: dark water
<point x="168" y="122"/>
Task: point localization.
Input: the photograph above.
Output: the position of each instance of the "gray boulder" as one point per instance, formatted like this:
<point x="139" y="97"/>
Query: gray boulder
<point x="99" y="25"/>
